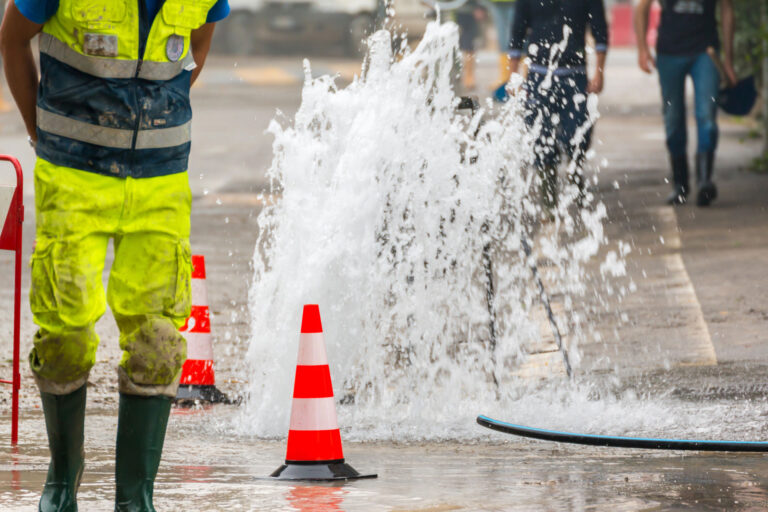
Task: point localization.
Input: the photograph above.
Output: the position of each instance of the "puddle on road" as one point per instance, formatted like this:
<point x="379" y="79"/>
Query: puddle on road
<point x="204" y="469"/>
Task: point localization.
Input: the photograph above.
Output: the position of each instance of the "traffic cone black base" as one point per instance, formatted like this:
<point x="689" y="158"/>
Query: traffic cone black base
<point x="189" y="395"/>
<point x="318" y="471"/>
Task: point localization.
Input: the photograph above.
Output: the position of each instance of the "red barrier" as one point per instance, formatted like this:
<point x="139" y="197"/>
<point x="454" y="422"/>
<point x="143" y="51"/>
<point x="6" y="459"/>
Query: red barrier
<point x="623" y="28"/>
<point x="622" y="31"/>
<point x="10" y="240"/>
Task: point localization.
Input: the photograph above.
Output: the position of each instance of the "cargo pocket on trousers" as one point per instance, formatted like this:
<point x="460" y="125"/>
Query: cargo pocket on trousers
<point x="182" y="299"/>
<point x="43" y="295"/>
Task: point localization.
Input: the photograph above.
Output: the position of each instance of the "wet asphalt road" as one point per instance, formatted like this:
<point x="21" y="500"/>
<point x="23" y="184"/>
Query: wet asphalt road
<point x="204" y="471"/>
<point x="694" y="331"/>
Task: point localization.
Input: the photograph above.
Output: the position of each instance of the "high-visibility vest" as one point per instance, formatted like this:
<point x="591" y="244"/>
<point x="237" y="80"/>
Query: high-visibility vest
<point x="114" y="86"/>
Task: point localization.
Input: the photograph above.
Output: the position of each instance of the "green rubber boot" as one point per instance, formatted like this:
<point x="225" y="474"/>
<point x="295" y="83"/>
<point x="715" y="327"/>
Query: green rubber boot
<point x="64" y="421"/>
<point x="140" y="435"/>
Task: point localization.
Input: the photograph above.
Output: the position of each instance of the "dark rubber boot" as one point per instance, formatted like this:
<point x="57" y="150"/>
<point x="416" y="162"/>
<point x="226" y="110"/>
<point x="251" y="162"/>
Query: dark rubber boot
<point x="140" y="435"/>
<point x="64" y="421"/>
<point x="577" y="178"/>
<point x="548" y="191"/>
<point x="704" y="168"/>
<point x="680" y="185"/>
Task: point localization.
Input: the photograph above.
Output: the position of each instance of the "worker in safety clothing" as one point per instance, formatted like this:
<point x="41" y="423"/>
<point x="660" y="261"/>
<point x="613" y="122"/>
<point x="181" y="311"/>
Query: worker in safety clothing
<point x="110" y="122"/>
<point x="503" y="12"/>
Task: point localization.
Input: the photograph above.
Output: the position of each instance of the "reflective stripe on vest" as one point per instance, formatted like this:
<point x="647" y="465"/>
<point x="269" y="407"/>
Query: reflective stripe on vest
<point x="114" y="88"/>
<point x="164" y="137"/>
<point x="104" y="67"/>
<point x="112" y="137"/>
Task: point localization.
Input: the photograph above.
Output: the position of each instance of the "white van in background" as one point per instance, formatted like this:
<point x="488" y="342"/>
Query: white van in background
<point x="256" y="26"/>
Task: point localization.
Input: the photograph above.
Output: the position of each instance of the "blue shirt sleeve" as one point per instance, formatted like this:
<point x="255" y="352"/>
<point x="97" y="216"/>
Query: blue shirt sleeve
<point x="219" y="11"/>
<point x="37" y="11"/>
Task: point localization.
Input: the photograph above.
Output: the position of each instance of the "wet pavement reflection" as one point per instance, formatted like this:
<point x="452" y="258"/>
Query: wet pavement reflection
<point x="317" y="498"/>
<point x="206" y="469"/>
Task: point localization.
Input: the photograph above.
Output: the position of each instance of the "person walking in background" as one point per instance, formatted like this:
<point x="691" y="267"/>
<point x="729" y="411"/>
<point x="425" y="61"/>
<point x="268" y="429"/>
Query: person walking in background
<point x="687" y="38"/>
<point x="503" y="12"/>
<point x="469" y="17"/>
<point x="110" y="122"/>
<point x="556" y="87"/>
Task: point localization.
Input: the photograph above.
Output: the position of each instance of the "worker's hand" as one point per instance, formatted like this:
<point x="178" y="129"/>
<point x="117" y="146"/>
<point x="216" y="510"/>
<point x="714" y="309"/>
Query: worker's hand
<point x="595" y="85"/>
<point x="730" y="74"/>
<point x="645" y="59"/>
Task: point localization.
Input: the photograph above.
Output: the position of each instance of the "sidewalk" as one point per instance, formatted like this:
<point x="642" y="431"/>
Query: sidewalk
<point x="724" y="248"/>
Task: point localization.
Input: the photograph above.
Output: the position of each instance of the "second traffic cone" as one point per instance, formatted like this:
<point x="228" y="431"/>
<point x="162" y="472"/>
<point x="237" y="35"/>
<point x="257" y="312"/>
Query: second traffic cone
<point x="314" y="440"/>
<point x="198" y="381"/>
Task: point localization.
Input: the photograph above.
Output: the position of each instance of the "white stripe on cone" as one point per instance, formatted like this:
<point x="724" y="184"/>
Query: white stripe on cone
<point x="313" y="414"/>
<point x="199" y="345"/>
<point x="199" y="292"/>
<point x="312" y="350"/>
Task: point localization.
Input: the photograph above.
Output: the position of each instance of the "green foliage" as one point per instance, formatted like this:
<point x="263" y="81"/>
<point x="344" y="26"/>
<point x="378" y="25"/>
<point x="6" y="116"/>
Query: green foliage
<point x="750" y="47"/>
<point x="749" y="37"/>
<point x="760" y="164"/>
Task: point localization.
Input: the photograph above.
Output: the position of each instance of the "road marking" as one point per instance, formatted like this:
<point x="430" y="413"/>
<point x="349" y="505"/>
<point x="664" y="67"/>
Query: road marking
<point x="266" y="76"/>
<point x="5" y="106"/>
<point x="681" y="295"/>
<point x="541" y="365"/>
<point x="543" y="359"/>
<point x="346" y="70"/>
<point x="687" y="338"/>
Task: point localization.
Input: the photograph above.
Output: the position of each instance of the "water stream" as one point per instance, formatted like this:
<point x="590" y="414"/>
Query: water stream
<point x="389" y="203"/>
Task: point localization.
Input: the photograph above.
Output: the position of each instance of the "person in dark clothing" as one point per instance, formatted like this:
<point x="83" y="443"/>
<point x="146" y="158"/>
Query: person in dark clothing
<point x="687" y="44"/>
<point x="557" y="85"/>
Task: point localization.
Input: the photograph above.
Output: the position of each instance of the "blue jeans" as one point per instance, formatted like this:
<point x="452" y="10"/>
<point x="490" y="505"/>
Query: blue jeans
<point x="503" y="17"/>
<point x="562" y="117"/>
<point x="706" y="81"/>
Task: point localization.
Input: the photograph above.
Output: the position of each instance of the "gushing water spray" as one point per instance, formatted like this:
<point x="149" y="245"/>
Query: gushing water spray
<point x="386" y="197"/>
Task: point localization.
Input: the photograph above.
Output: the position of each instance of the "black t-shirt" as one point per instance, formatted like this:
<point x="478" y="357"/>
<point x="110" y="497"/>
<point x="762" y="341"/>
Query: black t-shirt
<point x="687" y="27"/>
<point x="541" y="24"/>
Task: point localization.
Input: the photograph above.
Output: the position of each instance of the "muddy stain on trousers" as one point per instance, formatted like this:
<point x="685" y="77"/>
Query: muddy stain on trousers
<point x="78" y="213"/>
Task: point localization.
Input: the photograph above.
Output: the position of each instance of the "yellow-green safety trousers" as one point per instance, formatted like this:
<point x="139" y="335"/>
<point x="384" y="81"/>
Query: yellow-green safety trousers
<point x="78" y="212"/>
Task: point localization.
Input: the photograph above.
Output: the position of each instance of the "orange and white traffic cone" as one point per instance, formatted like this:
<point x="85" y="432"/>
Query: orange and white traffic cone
<point x="198" y="381"/>
<point x="314" y="440"/>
